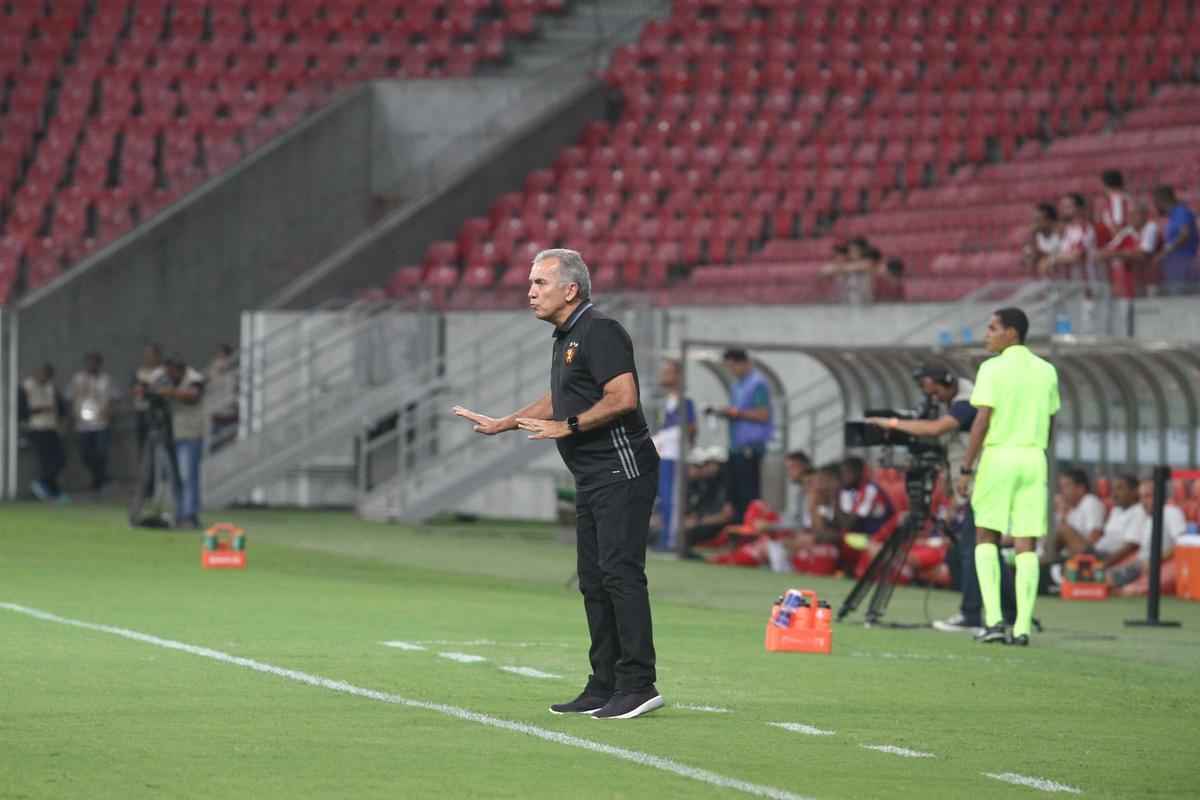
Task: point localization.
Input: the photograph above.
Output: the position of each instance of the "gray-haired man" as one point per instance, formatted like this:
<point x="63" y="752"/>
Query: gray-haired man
<point x="594" y="413"/>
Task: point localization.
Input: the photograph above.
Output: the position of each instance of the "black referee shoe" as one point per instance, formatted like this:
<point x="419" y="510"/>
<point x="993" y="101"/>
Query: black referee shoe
<point x="992" y="634"/>
<point x="584" y="704"/>
<point x="630" y="704"/>
<point x="1019" y="641"/>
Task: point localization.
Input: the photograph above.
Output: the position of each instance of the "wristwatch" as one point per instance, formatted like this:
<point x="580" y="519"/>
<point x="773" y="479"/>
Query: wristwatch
<point x="965" y="471"/>
<point x="573" y="424"/>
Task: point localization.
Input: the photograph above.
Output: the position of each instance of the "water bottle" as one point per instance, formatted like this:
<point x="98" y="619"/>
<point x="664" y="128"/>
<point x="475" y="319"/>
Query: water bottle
<point x="967" y="334"/>
<point x="945" y="338"/>
<point x="824" y="615"/>
<point x="1062" y="323"/>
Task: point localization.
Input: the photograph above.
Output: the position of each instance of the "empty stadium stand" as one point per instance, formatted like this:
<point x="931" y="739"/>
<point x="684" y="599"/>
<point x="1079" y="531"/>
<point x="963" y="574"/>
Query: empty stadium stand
<point x="749" y="127"/>
<point x="112" y="109"/>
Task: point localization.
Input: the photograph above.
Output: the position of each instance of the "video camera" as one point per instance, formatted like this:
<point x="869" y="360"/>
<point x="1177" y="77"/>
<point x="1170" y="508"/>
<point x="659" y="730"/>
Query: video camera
<point x="862" y="434"/>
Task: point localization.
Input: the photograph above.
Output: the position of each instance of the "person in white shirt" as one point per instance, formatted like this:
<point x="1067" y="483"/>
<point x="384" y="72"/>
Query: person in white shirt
<point x="41" y="408"/>
<point x="91" y="394"/>
<point x="1137" y="543"/>
<point x="1127" y="516"/>
<point x="1080" y="525"/>
<point x="1045" y="239"/>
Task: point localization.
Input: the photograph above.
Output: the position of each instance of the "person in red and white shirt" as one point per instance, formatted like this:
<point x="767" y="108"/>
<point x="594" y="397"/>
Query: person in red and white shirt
<point x="1116" y="207"/>
<point x="1077" y="244"/>
<point x="1129" y="255"/>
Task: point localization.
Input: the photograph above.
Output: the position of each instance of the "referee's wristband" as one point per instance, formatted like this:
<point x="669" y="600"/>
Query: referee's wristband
<point x="965" y="471"/>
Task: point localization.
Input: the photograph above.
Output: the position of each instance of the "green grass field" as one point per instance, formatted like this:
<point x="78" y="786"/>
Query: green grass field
<point x="91" y="713"/>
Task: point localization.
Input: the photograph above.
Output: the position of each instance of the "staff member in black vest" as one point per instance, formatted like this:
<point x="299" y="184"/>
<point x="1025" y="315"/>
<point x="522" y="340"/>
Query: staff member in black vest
<point x="593" y="411"/>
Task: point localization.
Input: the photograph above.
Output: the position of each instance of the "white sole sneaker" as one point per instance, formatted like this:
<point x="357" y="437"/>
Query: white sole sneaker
<point x="950" y="627"/>
<point x="574" y="713"/>
<point x="644" y="708"/>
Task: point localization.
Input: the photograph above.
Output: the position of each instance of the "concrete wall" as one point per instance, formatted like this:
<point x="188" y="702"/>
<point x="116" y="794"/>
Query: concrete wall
<point x="467" y="179"/>
<point x="185" y="280"/>
<point x="413" y="123"/>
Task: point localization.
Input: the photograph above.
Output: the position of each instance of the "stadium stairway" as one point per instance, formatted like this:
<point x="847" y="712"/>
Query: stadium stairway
<point x="283" y="446"/>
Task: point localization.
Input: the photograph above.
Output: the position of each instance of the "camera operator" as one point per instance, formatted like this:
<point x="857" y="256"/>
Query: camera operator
<point x="948" y="416"/>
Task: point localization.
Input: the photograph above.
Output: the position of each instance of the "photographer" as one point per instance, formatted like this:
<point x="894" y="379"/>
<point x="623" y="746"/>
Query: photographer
<point x="948" y="416"/>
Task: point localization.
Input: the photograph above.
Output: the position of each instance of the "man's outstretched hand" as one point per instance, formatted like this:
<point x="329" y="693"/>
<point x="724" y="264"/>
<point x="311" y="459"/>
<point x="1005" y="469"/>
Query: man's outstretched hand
<point x="544" y="428"/>
<point x="488" y="426"/>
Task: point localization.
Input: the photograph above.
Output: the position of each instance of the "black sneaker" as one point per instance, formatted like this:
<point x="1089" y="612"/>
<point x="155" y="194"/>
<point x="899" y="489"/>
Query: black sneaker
<point x="584" y="704"/>
<point x="1019" y="641"/>
<point x="630" y="704"/>
<point x="992" y="634"/>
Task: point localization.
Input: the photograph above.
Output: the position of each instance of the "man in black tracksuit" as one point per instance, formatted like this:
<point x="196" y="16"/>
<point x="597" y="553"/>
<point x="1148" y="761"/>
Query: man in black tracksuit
<point x="594" y="413"/>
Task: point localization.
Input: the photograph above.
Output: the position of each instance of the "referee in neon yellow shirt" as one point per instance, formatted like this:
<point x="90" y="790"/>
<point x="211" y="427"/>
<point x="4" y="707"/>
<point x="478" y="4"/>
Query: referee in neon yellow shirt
<point x="1016" y="393"/>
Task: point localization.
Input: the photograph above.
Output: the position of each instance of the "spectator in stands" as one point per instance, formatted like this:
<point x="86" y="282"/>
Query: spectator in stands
<point x="677" y="421"/>
<point x="1116" y="206"/>
<point x="1045" y="240"/>
<point x="1124" y="520"/>
<point x="1128" y="255"/>
<point x="750" y="429"/>
<point x="1137" y="546"/>
<point x="1180" y="243"/>
<point x="708" y="509"/>
<point x="853" y="272"/>
<point x="1074" y="259"/>
<point x="222" y="394"/>
<point x="1079" y="521"/>
<point x="92" y="394"/>
<point x="42" y="409"/>
<point x="184" y="388"/>
<point x="889" y="283"/>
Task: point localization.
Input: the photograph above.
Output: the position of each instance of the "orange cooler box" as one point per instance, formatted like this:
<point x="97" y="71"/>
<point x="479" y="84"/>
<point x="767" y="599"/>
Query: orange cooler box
<point x="808" y="631"/>
<point x="224" y="547"/>
<point x="1187" y="562"/>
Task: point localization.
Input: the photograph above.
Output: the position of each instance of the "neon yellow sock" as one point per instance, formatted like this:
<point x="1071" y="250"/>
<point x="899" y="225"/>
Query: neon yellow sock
<point x="987" y="567"/>
<point x="1027" y="586"/>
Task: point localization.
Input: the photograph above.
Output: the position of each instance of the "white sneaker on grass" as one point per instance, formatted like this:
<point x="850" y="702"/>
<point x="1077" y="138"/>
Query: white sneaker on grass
<point x="956" y="624"/>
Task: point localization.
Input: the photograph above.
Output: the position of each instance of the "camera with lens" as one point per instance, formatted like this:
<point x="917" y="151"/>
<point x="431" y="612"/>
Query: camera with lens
<point x="922" y="449"/>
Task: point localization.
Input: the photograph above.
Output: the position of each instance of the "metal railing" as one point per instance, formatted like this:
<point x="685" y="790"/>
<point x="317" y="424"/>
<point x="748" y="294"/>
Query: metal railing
<point x="427" y="459"/>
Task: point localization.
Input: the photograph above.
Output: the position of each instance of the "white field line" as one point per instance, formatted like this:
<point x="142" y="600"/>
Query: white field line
<point x="407" y="646"/>
<point x="463" y="658"/>
<point x="800" y="727"/>
<point x="1033" y="783"/>
<point x="709" y="709"/>
<point x="530" y="672"/>
<point x="622" y="753"/>
<point x="898" y="751"/>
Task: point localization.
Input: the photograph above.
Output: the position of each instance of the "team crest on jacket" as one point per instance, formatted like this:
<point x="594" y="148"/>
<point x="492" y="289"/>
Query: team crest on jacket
<point x="569" y="355"/>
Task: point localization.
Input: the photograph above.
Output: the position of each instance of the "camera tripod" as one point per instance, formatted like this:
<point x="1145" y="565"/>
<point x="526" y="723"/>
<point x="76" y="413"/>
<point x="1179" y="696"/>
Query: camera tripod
<point x="885" y="567"/>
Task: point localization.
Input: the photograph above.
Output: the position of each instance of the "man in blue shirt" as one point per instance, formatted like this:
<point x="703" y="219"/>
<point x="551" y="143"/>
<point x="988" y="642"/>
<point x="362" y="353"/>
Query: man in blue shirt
<point x="1180" y="242"/>
<point x="750" y="429"/>
<point x="668" y="444"/>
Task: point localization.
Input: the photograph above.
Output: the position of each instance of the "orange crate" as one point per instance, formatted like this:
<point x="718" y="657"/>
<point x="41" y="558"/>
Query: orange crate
<point x="1084" y="589"/>
<point x="809" y="631"/>
<point x="224" y="547"/>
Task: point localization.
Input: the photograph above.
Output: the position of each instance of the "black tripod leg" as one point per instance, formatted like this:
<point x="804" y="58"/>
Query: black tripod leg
<point x="863" y="585"/>
<point x="903" y="537"/>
